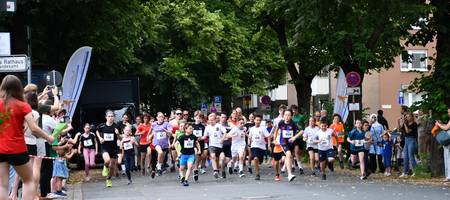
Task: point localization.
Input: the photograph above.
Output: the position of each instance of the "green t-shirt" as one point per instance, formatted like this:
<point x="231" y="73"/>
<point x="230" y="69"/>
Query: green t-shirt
<point x="56" y="133"/>
<point x="178" y="134"/>
<point x="298" y="120"/>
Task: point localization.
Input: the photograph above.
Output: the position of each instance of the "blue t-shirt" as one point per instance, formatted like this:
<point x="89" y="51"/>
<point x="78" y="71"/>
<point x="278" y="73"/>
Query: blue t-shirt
<point x="386" y="147"/>
<point x="358" y="137"/>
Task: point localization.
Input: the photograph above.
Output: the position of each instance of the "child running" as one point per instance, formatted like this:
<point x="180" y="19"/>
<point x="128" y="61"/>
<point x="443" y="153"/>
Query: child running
<point x="237" y="135"/>
<point x="189" y="146"/>
<point x="128" y="143"/>
<point x="199" y="129"/>
<point x="257" y="135"/>
<point x="326" y="152"/>
<point x="90" y="148"/>
<point x="310" y="136"/>
<point x="356" y="139"/>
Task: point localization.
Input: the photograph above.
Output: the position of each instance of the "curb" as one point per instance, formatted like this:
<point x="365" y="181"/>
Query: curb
<point x="75" y="192"/>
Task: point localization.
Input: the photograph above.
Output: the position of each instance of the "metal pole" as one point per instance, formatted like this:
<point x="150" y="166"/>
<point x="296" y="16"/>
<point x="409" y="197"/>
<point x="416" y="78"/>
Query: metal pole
<point x="29" y="53"/>
<point x="353" y="112"/>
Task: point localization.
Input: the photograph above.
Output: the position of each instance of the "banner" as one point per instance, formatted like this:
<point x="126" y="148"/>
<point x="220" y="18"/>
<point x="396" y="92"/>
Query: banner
<point x="341" y="98"/>
<point x="74" y="76"/>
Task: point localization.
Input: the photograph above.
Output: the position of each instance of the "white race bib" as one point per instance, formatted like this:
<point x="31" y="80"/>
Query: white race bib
<point x="127" y="146"/>
<point x="310" y="140"/>
<point x="108" y="137"/>
<point x="87" y="143"/>
<point x="188" y="144"/>
<point x="161" y="135"/>
<point x="324" y="142"/>
<point x="288" y="134"/>
<point x="216" y="135"/>
<point x="198" y="133"/>
<point x="359" y="143"/>
<point x="257" y="138"/>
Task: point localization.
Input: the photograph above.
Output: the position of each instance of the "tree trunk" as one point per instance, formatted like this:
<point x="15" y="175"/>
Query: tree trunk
<point x="303" y="89"/>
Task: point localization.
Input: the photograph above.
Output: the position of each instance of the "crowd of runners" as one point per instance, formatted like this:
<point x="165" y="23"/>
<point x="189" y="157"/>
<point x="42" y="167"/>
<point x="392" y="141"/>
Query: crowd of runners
<point x="36" y="144"/>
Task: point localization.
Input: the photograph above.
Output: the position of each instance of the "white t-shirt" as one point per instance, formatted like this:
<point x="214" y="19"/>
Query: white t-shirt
<point x="215" y="134"/>
<point x="325" y="137"/>
<point x="258" y="135"/>
<point x="238" y="139"/>
<point x="48" y="124"/>
<point x="311" y="135"/>
<point x="30" y="139"/>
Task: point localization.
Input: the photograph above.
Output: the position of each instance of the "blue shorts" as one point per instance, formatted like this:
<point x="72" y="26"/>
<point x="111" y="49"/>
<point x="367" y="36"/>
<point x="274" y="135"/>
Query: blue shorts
<point x="323" y="155"/>
<point x="185" y="159"/>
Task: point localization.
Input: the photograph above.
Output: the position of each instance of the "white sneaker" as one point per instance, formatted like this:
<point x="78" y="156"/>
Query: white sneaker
<point x="291" y="177"/>
<point x="403" y="175"/>
<point x="388" y="174"/>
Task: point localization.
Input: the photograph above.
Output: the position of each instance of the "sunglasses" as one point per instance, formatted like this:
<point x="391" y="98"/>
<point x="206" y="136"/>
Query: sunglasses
<point x="178" y="113"/>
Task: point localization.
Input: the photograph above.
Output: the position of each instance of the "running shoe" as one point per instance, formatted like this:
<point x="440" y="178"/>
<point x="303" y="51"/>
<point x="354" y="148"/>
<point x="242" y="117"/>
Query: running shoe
<point x="403" y="175"/>
<point x="158" y="172"/>
<point x="195" y="175"/>
<point x="313" y="173"/>
<point x="235" y="170"/>
<point x="324" y="177"/>
<point x="202" y="171"/>
<point x="129" y="182"/>
<point x="53" y="196"/>
<point x="257" y="177"/>
<point x="241" y="174"/>
<point x="61" y="194"/>
<point x="291" y="178"/>
<point x="182" y="179"/>
<point x="224" y="174"/>
<point x="301" y="171"/>
<point x="230" y="170"/>
<point x="108" y="183"/>
<point x="216" y="175"/>
<point x="185" y="183"/>
<point x="250" y="170"/>
<point x="277" y="177"/>
<point x="363" y="177"/>
<point x="153" y="174"/>
<point x="105" y="171"/>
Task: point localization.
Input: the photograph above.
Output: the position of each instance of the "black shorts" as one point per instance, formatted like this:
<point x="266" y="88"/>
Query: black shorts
<point x="32" y="149"/>
<point x="215" y="150"/>
<point x="227" y="150"/>
<point x="277" y="156"/>
<point x="202" y="145"/>
<point x="300" y="143"/>
<point x="312" y="149"/>
<point x="113" y="153"/>
<point x="15" y="159"/>
<point x="288" y="147"/>
<point x="324" y="155"/>
<point x="258" y="153"/>
<point x="143" y="148"/>
<point x="356" y="152"/>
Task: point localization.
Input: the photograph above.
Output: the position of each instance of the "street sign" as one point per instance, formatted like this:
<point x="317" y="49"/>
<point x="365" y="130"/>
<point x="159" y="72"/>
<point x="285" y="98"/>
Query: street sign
<point x="204" y="108"/>
<point x="353" y="91"/>
<point x="53" y="78"/>
<point x="401" y="98"/>
<point x="217" y="99"/>
<point x="353" y="79"/>
<point x="8" y="5"/>
<point x="14" y="63"/>
<point x="265" y="100"/>
<point x="353" y="107"/>
<point x="5" y="44"/>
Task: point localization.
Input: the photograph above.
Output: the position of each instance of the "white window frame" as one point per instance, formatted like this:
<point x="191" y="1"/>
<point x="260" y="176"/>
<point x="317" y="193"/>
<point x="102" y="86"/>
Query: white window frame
<point x="410" y="68"/>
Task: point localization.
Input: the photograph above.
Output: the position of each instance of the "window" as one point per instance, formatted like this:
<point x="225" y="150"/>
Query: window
<point x="417" y="61"/>
<point x="411" y="98"/>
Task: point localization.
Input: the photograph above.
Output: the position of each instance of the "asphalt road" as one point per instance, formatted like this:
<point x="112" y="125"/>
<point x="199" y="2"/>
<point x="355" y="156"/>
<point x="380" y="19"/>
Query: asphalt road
<point x="338" y="186"/>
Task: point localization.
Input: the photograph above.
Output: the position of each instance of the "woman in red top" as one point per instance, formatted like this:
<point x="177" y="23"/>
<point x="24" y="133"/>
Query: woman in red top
<point x="13" y="150"/>
<point x="144" y="144"/>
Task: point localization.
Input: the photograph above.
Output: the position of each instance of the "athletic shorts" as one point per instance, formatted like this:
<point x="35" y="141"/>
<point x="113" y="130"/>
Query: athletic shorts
<point x="202" y="145"/>
<point x="324" y="155"/>
<point x="288" y="147"/>
<point x="236" y="151"/>
<point x="32" y="149"/>
<point x="258" y="153"/>
<point x="187" y="159"/>
<point x="143" y="148"/>
<point x="227" y="150"/>
<point x="356" y="152"/>
<point x="113" y="153"/>
<point x="300" y="143"/>
<point x="313" y="149"/>
<point x="215" y="150"/>
<point x="15" y="159"/>
<point x="277" y="156"/>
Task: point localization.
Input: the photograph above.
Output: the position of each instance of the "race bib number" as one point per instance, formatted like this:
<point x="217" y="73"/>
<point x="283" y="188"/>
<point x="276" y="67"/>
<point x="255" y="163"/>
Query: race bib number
<point x="87" y="143"/>
<point x="108" y="137"/>
<point x="324" y="142"/>
<point x="359" y="143"/>
<point x="198" y="133"/>
<point x="161" y="135"/>
<point x="257" y="138"/>
<point x="216" y="135"/>
<point x="189" y="144"/>
<point x="288" y="134"/>
<point x="127" y="146"/>
<point x="310" y="140"/>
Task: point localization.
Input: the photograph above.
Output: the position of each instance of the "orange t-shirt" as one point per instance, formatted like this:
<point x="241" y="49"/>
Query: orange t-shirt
<point x="277" y="148"/>
<point x="338" y="133"/>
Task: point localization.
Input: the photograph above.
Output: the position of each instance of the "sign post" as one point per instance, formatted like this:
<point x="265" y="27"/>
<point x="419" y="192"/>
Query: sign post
<point x="218" y="103"/>
<point x="14" y="63"/>
<point x="354" y="82"/>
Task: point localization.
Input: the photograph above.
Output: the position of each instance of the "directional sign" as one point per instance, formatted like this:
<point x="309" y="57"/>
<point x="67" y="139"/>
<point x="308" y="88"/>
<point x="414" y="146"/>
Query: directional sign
<point x="5" y="43"/>
<point x="18" y="63"/>
<point x="8" y="5"/>
<point x="353" y="79"/>
<point x="353" y="91"/>
<point x="353" y="106"/>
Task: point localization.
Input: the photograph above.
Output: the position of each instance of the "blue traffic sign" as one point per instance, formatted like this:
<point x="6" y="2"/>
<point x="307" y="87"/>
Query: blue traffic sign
<point x="204" y="106"/>
<point x="217" y="99"/>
